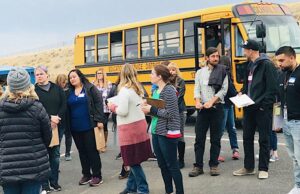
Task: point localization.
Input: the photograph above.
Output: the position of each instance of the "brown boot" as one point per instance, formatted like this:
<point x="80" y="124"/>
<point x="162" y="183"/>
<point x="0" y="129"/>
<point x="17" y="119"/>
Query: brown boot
<point x="214" y="171"/>
<point x="196" y="172"/>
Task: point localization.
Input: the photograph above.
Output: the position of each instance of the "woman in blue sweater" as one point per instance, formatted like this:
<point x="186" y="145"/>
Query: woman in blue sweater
<point x="86" y="112"/>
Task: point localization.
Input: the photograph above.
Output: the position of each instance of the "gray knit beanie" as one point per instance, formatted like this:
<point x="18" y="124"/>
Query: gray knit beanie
<point x="18" y="79"/>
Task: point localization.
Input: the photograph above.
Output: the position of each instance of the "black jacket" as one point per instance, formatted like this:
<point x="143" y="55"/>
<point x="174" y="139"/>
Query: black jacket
<point x="231" y="92"/>
<point x="53" y="100"/>
<point x="95" y="104"/>
<point x="264" y="82"/>
<point x="180" y="87"/>
<point x="24" y="135"/>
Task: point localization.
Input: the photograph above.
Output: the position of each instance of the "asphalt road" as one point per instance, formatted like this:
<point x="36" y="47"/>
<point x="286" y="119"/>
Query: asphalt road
<point x="280" y="173"/>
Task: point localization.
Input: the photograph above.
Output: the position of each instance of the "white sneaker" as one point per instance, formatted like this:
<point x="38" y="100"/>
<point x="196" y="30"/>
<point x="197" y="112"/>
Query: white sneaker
<point x="44" y="192"/>
<point x="263" y="174"/>
<point x="295" y="190"/>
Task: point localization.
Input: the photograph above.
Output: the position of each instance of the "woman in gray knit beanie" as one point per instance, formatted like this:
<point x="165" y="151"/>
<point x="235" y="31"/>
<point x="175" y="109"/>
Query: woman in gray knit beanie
<point x="23" y="120"/>
<point x="18" y="79"/>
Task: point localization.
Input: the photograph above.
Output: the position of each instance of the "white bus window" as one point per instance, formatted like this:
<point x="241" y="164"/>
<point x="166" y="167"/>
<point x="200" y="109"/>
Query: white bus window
<point x="189" y="35"/>
<point x="116" y="45"/>
<point x="147" y="41"/>
<point x="89" y="49"/>
<point x="103" y="47"/>
<point x="168" y="36"/>
<point x="238" y="43"/>
<point x="131" y="44"/>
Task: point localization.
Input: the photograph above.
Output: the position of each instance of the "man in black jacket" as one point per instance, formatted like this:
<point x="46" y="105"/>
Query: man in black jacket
<point x="260" y="85"/>
<point x="289" y="94"/>
<point x="53" y="99"/>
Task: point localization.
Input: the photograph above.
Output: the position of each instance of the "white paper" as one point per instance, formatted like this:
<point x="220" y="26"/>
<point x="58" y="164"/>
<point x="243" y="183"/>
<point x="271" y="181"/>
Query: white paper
<point x="277" y="118"/>
<point x="114" y="100"/>
<point x="241" y="101"/>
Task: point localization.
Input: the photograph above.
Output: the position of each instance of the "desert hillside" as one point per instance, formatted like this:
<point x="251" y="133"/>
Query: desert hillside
<point x="60" y="60"/>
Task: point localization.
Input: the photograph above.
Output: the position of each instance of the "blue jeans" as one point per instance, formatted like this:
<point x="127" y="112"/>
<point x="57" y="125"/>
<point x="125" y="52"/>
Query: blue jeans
<point x="32" y="187"/>
<point x="273" y="141"/>
<point x="54" y="156"/>
<point x="166" y="154"/>
<point x="228" y="123"/>
<point x="291" y="131"/>
<point x="137" y="180"/>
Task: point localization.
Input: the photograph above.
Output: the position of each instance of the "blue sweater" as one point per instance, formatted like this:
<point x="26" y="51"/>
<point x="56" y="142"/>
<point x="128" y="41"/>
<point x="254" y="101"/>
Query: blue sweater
<point x="79" y="112"/>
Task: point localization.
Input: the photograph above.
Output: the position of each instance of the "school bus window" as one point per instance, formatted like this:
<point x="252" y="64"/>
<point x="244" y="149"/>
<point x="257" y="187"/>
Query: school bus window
<point x="131" y="47"/>
<point x="89" y="47"/>
<point x="147" y="41"/>
<point x="238" y="43"/>
<point x="240" y="72"/>
<point x="116" y="45"/>
<point x="189" y="35"/>
<point x="103" y="47"/>
<point x="168" y="38"/>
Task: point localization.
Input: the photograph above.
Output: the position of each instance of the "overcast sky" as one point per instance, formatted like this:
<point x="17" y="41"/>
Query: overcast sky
<point x="35" y="24"/>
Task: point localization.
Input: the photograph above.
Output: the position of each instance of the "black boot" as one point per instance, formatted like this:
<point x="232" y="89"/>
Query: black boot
<point x="124" y="173"/>
<point x="181" y="151"/>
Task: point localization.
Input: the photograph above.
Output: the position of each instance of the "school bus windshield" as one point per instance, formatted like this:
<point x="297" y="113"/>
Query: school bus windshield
<point x="281" y="30"/>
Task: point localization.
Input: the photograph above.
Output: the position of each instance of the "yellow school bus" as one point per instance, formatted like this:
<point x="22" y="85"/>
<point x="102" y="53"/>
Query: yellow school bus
<point x="175" y="38"/>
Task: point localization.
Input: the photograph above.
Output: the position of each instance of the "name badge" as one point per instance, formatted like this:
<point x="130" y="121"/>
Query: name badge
<point x="285" y="115"/>
<point x="250" y="78"/>
<point x="81" y="95"/>
<point x="292" y="80"/>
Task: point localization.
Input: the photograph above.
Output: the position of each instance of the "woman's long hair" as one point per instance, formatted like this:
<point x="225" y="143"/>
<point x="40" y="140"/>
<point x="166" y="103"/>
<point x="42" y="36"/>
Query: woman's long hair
<point x="18" y="95"/>
<point x="60" y="79"/>
<point x="174" y="78"/>
<point x="96" y="82"/>
<point x="82" y="78"/>
<point x="128" y="79"/>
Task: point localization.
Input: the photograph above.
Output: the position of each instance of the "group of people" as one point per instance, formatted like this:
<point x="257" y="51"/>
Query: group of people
<point x="265" y="85"/>
<point x="74" y="106"/>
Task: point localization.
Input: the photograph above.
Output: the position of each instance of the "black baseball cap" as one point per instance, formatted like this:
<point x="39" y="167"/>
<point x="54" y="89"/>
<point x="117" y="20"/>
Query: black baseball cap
<point x="251" y="44"/>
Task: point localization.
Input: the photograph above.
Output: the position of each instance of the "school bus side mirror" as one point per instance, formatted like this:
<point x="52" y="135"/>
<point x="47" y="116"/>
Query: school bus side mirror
<point x="260" y="30"/>
<point x="263" y="47"/>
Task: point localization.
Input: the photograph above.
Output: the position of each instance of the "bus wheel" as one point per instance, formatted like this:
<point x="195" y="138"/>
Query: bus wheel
<point x="239" y="124"/>
<point x="190" y="111"/>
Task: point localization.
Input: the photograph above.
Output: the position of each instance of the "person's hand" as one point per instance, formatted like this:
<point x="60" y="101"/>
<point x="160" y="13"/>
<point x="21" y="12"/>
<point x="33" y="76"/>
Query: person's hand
<point x="199" y="106"/>
<point x="55" y="119"/>
<point x="146" y="108"/>
<point x="112" y="107"/>
<point x="100" y="125"/>
<point x="208" y="105"/>
<point x="53" y="125"/>
<point x="278" y="129"/>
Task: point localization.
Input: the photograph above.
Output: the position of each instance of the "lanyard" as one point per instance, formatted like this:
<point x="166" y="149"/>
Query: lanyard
<point x="286" y="79"/>
<point x="286" y="82"/>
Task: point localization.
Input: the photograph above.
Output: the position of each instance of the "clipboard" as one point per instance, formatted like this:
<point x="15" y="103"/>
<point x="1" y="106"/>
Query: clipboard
<point x="241" y="101"/>
<point x="158" y="103"/>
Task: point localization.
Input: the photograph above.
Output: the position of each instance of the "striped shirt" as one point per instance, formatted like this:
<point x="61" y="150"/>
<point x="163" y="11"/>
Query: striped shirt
<point x="168" y="117"/>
